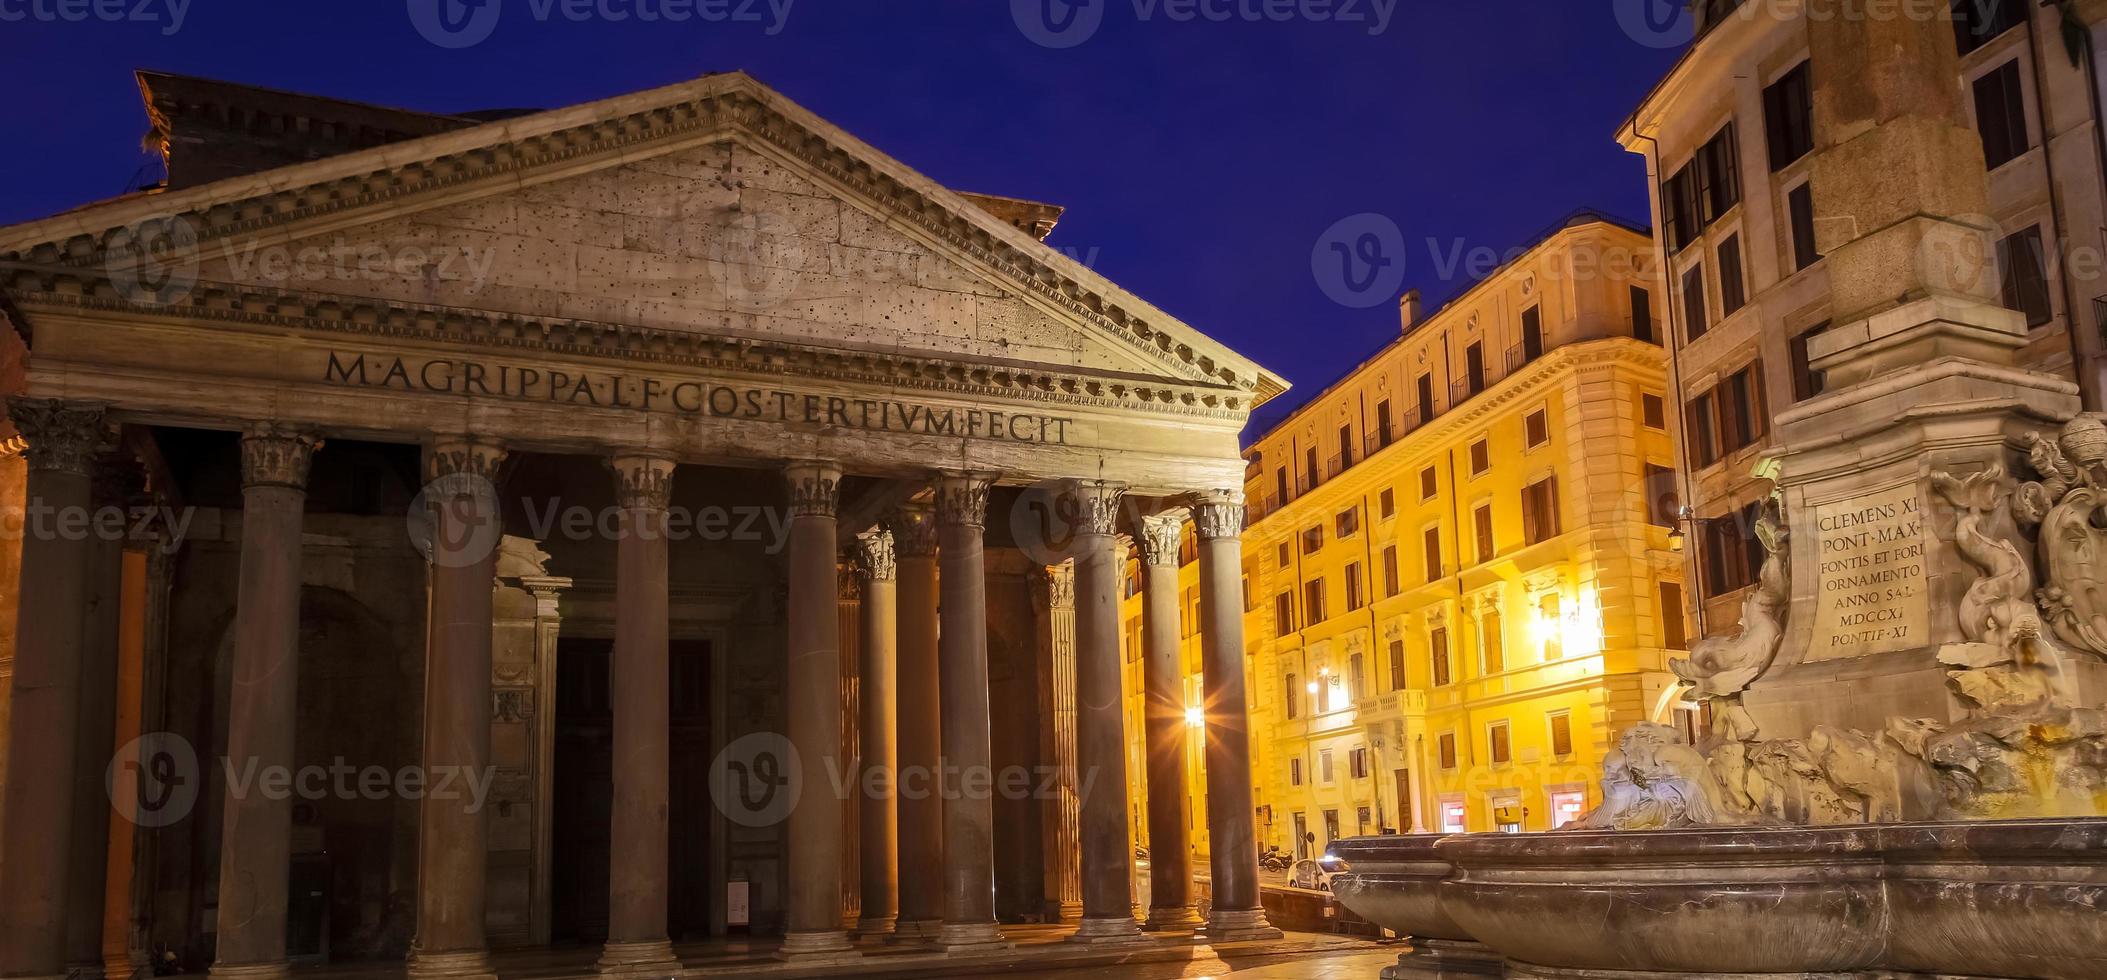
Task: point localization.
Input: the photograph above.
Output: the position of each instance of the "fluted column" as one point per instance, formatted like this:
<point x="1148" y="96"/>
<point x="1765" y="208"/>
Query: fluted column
<point x="1063" y="859"/>
<point x="1163" y="723"/>
<point x="636" y="908"/>
<point x="1232" y="840"/>
<point x="452" y="832"/>
<point x="256" y="829"/>
<point x="969" y="810"/>
<point x="919" y="729"/>
<point x="813" y="699"/>
<point x="42" y="736"/>
<point x="877" y="702"/>
<point x="1100" y="722"/>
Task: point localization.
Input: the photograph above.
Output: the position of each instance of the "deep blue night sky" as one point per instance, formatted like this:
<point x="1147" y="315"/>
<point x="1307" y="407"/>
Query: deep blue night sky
<point x="1200" y="161"/>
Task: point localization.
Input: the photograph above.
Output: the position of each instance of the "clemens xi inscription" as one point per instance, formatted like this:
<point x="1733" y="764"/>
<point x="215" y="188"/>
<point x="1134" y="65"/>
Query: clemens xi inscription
<point x="1872" y="596"/>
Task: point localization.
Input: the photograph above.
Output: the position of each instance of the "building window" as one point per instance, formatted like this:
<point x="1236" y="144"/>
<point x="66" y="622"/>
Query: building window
<point x="1663" y="503"/>
<point x="1353" y="586"/>
<point x="2024" y="263"/>
<point x="1438" y="652"/>
<point x="1540" y="511"/>
<point x="1357" y="764"/>
<point x="1567" y="807"/>
<point x="1388" y="501"/>
<point x="1324" y="767"/>
<point x="1673" y="633"/>
<point x="1733" y="291"/>
<point x="1294" y="700"/>
<point x="1294" y="768"/>
<point x="1551" y="614"/>
<point x="1284" y="614"/>
<point x="1280" y="483"/>
<point x="1976" y="22"/>
<point x="1481" y="521"/>
<point x="1719" y="175"/>
<point x="2000" y="115"/>
<point x="1310" y="476"/>
<point x="1474" y="366"/>
<point x="1653" y="410"/>
<point x="1532" y="333"/>
<point x="1806" y="381"/>
<point x="1642" y="316"/>
<point x="1679" y="207"/>
<point x="1397" y="665"/>
<point x="1536" y="428"/>
<point x="1452" y="821"/>
<point x="1492" y="642"/>
<point x="1481" y="457"/>
<point x="1432" y="541"/>
<point x="1313" y="600"/>
<point x="1331" y="827"/>
<point x="1448" y="750"/>
<point x="1382" y="423"/>
<point x="1429" y="483"/>
<point x="1500" y="747"/>
<point x="1728" y="417"/>
<point x="1285" y="555"/>
<point x="1345" y="446"/>
<point x="1799" y="207"/>
<point x="1788" y="117"/>
<point x="1391" y="585"/>
<point x="1356" y="677"/>
<point x="1347" y="523"/>
<point x="1313" y="539"/>
<point x="1704" y="442"/>
<point x="1694" y="324"/>
<point x="1360" y="816"/>
<point x="1561" y="734"/>
<point x="1426" y="397"/>
<point x="1733" y="555"/>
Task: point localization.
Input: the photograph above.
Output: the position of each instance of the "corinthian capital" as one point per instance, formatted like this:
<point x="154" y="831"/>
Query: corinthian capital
<point x="643" y="482"/>
<point x="815" y="488"/>
<point x="1218" y="514"/>
<point x="874" y="554"/>
<point x="60" y="436"/>
<point x="461" y="456"/>
<point x="913" y="530"/>
<point x="274" y="455"/>
<point x="962" y="499"/>
<point x="1093" y="504"/>
<point x="1059" y="581"/>
<point x="1161" y="534"/>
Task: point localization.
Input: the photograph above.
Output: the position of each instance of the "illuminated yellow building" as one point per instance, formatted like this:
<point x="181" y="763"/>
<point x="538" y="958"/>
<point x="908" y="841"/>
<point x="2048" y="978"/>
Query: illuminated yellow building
<point x="1459" y="580"/>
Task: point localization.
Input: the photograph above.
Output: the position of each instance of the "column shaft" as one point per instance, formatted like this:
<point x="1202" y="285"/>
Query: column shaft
<point x="41" y="727"/>
<point x="813" y="703"/>
<point x="1163" y="721"/>
<point x="88" y="867"/>
<point x="921" y="808"/>
<point x="636" y="907"/>
<point x="1232" y="840"/>
<point x="1100" y="724"/>
<point x="877" y="704"/>
<point x="969" y="811"/>
<point x="452" y="830"/>
<point x="263" y="706"/>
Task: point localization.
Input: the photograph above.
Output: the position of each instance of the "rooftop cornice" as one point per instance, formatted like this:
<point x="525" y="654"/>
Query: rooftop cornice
<point x="566" y="142"/>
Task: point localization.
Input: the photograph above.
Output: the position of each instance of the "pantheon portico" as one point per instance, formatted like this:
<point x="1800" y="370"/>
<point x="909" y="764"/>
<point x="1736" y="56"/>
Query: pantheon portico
<point x="859" y="459"/>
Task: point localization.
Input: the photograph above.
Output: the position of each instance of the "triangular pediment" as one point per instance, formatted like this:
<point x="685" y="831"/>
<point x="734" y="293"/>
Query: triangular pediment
<point x="715" y="208"/>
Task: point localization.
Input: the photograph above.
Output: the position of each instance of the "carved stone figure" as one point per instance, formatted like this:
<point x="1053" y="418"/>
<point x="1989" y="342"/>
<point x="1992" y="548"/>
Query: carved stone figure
<point x="1654" y="780"/>
<point x="2069" y="503"/>
<point x="1722" y="666"/>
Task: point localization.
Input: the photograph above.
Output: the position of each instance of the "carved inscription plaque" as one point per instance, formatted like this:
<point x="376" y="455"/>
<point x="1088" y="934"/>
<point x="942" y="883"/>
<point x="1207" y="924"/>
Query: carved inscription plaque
<point x="1871" y="575"/>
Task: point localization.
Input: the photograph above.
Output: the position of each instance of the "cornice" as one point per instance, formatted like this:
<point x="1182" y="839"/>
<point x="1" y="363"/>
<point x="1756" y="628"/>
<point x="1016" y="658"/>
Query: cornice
<point x="571" y="141"/>
<point x="501" y="333"/>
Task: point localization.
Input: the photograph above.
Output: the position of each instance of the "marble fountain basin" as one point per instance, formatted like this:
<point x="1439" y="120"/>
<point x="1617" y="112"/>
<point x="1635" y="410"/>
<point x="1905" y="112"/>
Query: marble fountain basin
<point x="2003" y="899"/>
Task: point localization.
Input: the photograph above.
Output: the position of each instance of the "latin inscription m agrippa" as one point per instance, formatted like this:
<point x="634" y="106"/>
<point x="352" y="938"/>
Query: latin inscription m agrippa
<point x="648" y="393"/>
<point x="1871" y="576"/>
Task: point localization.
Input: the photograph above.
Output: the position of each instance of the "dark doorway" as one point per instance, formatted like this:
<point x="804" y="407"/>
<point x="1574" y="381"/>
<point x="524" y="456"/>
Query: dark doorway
<point x="585" y="790"/>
